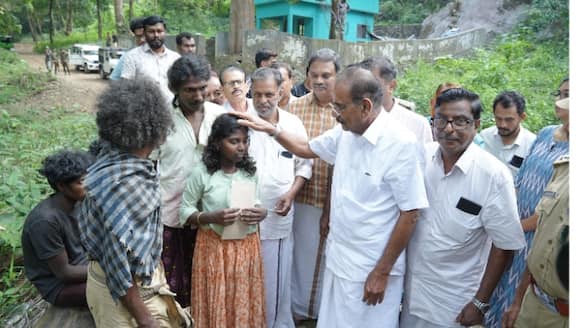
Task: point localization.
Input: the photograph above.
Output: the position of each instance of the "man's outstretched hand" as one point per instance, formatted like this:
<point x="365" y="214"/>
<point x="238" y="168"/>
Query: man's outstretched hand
<point x="254" y="122"/>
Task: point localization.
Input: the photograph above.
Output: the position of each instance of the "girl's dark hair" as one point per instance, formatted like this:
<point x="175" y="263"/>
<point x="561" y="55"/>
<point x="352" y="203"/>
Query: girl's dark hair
<point x="65" y="166"/>
<point x="223" y="127"/>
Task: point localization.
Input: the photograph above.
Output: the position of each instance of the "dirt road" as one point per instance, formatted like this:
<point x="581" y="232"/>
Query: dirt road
<point x="76" y="91"/>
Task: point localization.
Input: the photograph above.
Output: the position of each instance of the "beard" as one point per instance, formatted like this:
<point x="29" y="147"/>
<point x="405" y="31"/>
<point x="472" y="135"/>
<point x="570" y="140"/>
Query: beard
<point x="155" y="44"/>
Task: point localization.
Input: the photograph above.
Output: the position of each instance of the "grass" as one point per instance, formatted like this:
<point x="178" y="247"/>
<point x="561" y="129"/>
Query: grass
<point x="513" y="63"/>
<point x="17" y="80"/>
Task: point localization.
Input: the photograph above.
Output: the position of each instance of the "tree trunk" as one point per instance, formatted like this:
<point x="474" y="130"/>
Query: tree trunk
<point x="99" y="19"/>
<point x="31" y="25"/>
<point x="69" y="23"/>
<point x="242" y="18"/>
<point x="130" y="9"/>
<point x="333" y="25"/>
<point x="119" y="14"/>
<point x="51" y="26"/>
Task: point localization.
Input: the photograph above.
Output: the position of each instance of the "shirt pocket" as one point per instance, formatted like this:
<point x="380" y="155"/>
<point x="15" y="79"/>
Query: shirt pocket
<point x="458" y="226"/>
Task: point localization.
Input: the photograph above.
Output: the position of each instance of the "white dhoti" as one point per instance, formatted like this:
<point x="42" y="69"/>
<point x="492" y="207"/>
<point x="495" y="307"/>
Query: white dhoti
<point x="308" y="261"/>
<point x="342" y="305"/>
<point x="277" y="258"/>
<point x="408" y="320"/>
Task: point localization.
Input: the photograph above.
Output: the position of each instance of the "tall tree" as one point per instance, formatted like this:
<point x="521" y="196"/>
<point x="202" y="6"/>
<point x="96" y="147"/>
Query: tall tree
<point x="242" y="15"/>
<point x="99" y="19"/>
<point x="119" y="14"/>
<point x="51" y="25"/>
<point x="130" y="9"/>
<point x="29" y="10"/>
<point x="69" y="19"/>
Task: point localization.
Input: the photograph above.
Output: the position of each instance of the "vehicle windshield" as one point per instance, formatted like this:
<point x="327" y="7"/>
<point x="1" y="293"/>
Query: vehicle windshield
<point x="90" y="52"/>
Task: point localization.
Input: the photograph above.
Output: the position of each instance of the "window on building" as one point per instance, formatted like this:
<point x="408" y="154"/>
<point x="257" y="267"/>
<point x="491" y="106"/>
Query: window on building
<point x="362" y="31"/>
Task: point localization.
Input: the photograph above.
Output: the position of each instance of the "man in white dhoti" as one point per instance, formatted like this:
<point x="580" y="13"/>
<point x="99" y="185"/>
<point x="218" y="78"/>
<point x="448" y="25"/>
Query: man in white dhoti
<point x="281" y="176"/>
<point x="376" y="193"/>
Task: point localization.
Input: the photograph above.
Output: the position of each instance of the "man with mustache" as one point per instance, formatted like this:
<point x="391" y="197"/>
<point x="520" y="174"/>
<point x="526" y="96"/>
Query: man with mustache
<point x="508" y="140"/>
<point x="281" y="176"/>
<point x="472" y="209"/>
<point x="376" y="193"/>
<point x="151" y="60"/>
<point x="312" y="202"/>
<point x="192" y="118"/>
<point x="235" y="87"/>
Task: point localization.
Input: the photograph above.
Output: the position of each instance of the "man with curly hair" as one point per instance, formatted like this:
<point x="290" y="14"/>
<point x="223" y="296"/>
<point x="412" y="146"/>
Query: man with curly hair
<point x="54" y="260"/>
<point x="121" y="227"/>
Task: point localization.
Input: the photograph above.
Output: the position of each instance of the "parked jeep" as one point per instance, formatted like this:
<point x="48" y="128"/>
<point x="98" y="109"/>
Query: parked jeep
<point x="108" y="59"/>
<point x="84" y="57"/>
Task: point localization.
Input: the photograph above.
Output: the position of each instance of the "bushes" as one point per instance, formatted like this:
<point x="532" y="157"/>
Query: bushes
<point x="17" y="80"/>
<point x="62" y="41"/>
<point x="514" y="63"/>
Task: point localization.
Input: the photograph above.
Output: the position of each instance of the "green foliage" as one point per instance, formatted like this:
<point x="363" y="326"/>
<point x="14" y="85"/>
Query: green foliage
<point x="63" y="41"/>
<point x="17" y="80"/>
<point x="550" y="16"/>
<point x="514" y="63"/>
<point x="406" y="11"/>
<point x="9" y="23"/>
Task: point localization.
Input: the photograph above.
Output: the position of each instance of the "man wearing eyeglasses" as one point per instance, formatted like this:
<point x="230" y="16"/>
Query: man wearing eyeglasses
<point x="472" y="210"/>
<point x="235" y="87"/>
<point x="376" y="194"/>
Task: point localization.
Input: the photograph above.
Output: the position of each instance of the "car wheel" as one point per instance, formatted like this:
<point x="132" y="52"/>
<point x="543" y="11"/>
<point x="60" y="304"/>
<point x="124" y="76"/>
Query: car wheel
<point x="77" y="68"/>
<point x="85" y="68"/>
<point x="103" y="74"/>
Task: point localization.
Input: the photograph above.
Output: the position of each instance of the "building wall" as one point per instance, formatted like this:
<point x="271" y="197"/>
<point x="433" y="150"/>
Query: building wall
<point x="361" y="12"/>
<point x="296" y="50"/>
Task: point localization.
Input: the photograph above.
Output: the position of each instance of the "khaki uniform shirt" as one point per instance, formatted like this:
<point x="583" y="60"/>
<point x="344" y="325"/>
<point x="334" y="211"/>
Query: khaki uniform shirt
<point x="552" y="229"/>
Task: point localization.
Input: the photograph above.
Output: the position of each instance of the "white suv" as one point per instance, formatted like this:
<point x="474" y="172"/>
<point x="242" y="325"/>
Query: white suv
<point x="84" y="56"/>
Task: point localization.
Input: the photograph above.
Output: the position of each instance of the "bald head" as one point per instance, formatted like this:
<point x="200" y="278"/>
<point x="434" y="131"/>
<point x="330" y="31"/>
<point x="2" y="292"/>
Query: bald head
<point x="362" y="84"/>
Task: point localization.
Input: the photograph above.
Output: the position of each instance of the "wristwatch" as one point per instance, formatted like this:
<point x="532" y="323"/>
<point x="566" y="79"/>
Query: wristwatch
<point x="277" y="131"/>
<point x="481" y="306"/>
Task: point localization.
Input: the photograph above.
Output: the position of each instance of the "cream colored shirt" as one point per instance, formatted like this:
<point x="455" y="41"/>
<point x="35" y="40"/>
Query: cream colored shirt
<point x="520" y="148"/>
<point x="142" y="62"/>
<point x="414" y="122"/>
<point x="177" y="157"/>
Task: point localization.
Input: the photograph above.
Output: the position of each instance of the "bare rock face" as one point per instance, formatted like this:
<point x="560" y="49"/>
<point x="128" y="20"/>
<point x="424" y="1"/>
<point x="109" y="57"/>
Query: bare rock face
<point x="495" y="16"/>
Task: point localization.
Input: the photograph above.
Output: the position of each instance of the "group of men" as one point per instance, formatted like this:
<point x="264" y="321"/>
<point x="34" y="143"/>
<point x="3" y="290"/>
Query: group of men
<point x="351" y="179"/>
<point x="53" y="58"/>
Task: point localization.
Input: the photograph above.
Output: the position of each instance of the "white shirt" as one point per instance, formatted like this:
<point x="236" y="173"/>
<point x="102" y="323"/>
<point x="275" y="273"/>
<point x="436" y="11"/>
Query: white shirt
<point x="177" y="157"/>
<point x="142" y="62"/>
<point x="414" y="122"/>
<point x="277" y="169"/>
<point x="376" y="175"/>
<point x="520" y="148"/>
<point x="250" y="107"/>
<point x="290" y="100"/>
<point x="447" y="253"/>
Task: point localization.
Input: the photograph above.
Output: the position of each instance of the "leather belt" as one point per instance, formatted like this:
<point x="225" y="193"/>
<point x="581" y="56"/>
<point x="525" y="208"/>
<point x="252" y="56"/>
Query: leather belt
<point x="555" y="304"/>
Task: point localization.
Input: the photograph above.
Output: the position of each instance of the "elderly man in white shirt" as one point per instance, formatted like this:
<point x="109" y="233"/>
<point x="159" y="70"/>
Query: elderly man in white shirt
<point x="376" y="193"/>
<point x="193" y="118"/>
<point x="281" y="176"/>
<point x="508" y="140"/>
<point x="235" y="87"/>
<point x="385" y="71"/>
<point x="151" y="60"/>
<point x="450" y="275"/>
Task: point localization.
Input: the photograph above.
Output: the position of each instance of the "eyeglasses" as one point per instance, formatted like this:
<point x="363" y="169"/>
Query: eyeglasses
<point x="560" y="94"/>
<point x="234" y="83"/>
<point x="458" y="123"/>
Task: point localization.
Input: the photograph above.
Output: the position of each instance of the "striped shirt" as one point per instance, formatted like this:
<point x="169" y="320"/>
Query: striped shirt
<point x="120" y="219"/>
<point x="317" y="120"/>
